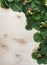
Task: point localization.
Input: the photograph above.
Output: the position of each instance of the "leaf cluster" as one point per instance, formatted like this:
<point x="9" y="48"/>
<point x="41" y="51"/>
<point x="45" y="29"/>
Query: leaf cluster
<point x="36" y="13"/>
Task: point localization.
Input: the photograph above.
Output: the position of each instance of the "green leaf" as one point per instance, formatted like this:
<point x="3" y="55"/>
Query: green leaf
<point x="34" y="6"/>
<point x="0" y="2"/>
<point x="4" y="4"/>
<point x="16" y="0"/>
<point x="44" y="35"/>
<point x="37" y="37"/>
<point x="34" y="55"/>
<point x="30" y="21"/>
<point x="45" y="17"/>
<point x="42" y="60"/>
<point x="43" y="50"/>
<point x="42" y="43"/>
<point x="28" y="27"/>
<point x="37" y="16"/>
<point x="10" y="0"/>
<point x="15" y="6"/>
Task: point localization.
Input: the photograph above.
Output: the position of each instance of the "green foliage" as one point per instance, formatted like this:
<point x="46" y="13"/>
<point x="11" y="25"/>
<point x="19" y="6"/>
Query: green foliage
<point x="36" y="13"/>
<point x="43" y="50"/>
<point x="34" y="55"/>
<point x="15" y="6"/>
<point x="41" y="54"/>
<point x="0" y="2"/>
<point x="37" y="37"/>
<point x="4" y="4"/>
<point x="10" y="0"/>
<point x="42" y="60"/>
<point x="44" y="34"/>
<point x="37" y="16"/>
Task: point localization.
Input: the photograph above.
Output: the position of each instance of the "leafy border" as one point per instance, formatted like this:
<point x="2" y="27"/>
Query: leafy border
<point x="36" y="13"/>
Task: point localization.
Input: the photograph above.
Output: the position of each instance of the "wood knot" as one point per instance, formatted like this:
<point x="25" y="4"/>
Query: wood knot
<point x="19" y="40"/>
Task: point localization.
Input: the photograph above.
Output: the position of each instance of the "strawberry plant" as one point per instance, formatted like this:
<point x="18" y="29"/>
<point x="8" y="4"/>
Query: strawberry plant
<point x="36" y="13"/>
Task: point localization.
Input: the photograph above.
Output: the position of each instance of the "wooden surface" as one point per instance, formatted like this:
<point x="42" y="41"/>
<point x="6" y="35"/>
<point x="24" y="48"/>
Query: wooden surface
<point x="16" y="43"/>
